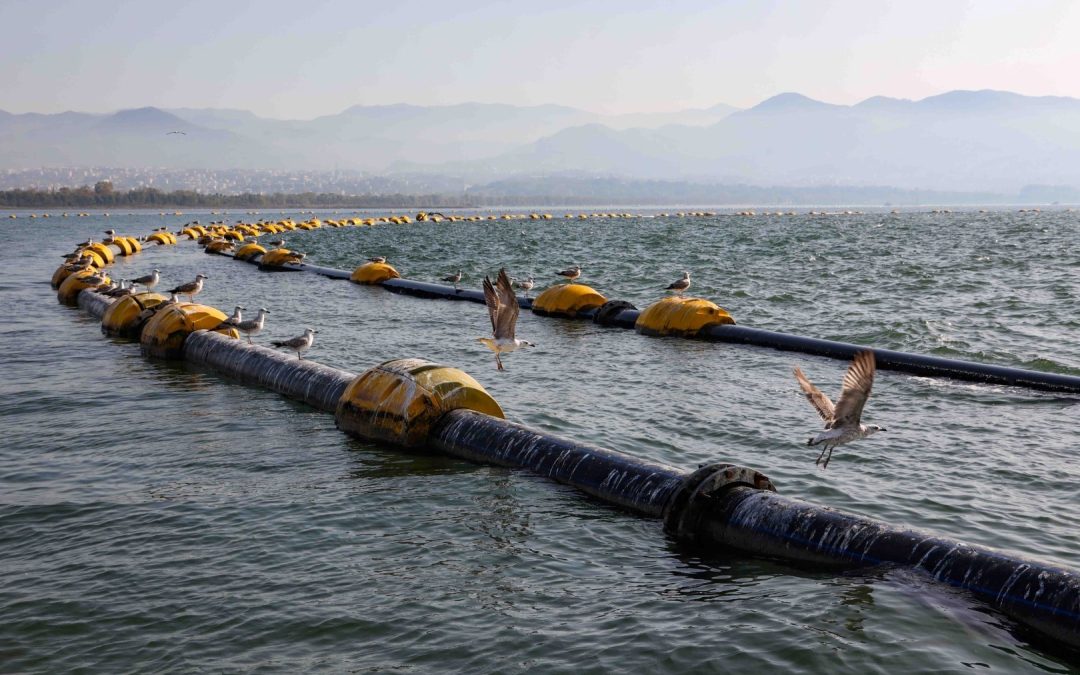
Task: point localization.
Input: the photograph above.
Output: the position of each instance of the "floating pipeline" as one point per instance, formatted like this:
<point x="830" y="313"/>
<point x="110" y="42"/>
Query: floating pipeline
<point x="414" y="403"/>
<point x="635" y="484"/>
<point x="725" y="507"/>
<point x="93" y="303"/>
<point x="313" y="383"/>
<point x="621" y="314"/>
<point x="1040" y="595"/>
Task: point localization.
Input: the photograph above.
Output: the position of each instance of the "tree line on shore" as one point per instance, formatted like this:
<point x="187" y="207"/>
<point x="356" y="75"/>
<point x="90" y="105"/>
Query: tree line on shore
<point x="102" y="195"/>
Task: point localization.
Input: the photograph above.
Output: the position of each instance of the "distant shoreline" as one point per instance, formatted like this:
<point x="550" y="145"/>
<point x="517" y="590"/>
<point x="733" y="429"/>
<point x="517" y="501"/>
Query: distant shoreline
<point x="103" y="197"/>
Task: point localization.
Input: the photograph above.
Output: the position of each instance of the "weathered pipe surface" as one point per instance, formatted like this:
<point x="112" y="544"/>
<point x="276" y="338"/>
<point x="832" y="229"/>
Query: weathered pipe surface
<point x="629" y="482"/>
<point x="313" y="383"/>
<point x="1043" y="596"/>
<point x="424" y="289"/>
<point x="326" y="271"/>
<point x="94" y="303"/>
<point x="916" y="364"/>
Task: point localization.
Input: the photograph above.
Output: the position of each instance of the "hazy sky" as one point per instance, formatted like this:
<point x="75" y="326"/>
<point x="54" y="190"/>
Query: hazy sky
<point x="314" y="57"/>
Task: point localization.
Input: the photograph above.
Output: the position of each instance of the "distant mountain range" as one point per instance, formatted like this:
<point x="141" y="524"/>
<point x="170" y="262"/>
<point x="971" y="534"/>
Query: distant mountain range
<point x="372" y="138"/>
<point x="960" y="141"/>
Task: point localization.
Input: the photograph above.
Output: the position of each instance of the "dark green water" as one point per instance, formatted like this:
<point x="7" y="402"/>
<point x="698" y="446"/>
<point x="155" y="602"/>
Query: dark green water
<point x="154" y="517"/>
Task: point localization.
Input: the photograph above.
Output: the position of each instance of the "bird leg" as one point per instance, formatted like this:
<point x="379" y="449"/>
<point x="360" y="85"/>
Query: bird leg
<point x="827" y="458"/>
<point x="499" y="361"/>
<point x="823" y="449"/>
<point x="249" y="339"/>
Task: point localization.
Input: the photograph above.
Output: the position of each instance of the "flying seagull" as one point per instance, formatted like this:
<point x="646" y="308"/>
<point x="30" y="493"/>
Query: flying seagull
<point x="503" y="308"/>
<point x="842" y="421"/>
<point x="680" y="285"/>
<point x="191" y="288"/>
<point x="298" y="344"/>
<point x="182" y="133"/>
<point x="571" y="273"/>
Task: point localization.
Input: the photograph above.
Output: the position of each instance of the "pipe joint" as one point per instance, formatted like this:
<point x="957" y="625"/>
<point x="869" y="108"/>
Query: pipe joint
<point x="701" y="491"/>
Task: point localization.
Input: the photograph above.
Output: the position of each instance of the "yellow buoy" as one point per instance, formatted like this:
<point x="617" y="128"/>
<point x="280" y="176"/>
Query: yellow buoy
<point x="103" y="252"/>
<point x="373" y="273"/>
<point x="249" y="251"/>
<point x="68" y="292"/>
<point x="400" y="401"/>
<point x="680" y="316"/>
<point x="164" y="334"/>
<point x="567" y="300"/>
<point x="126" y="316"/>
<point x="162" y="238"/>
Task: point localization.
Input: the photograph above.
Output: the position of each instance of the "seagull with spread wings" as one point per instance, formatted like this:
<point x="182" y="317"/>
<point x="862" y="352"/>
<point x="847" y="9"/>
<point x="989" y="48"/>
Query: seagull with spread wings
<point x="842" y="421"/>
<point x="503" y="308"/>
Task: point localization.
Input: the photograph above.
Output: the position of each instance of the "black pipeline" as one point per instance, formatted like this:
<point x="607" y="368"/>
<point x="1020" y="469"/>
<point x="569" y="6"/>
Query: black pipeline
<point x="626" y="317"/>
<point x="728" y="507"/>
<point x="716" y="506"/>
<point x="1043" y="596"/>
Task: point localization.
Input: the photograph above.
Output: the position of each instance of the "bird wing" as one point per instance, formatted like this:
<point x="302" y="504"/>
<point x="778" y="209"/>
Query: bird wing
<point x="857" y="383"/>
<point x="491" y="299"/>
<point x="817" y="398"/>
<point x="508" y="307"/>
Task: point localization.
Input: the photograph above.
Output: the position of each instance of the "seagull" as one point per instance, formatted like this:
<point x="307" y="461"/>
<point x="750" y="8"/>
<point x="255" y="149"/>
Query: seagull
<point x="172" y="299"/>
<point x="680" y="285"/>
<point x="525" y="285"/>
<point x="842" y="423"/>
<point x="454" y="278"/>
<point x="294" y="258"/>
<point x="235" y="319"/>
<point x="503" y="308"/>
<point x="120" y="291"/>
<point x="280" y="243"/>
<point x="253" y="326"/>
<point x="377" y="259"/>
<point x="192" y="288"/>
<point x="182" y="133"/>
<point x="571" y="273"/>
<point x="94" y="280"/>
<point x="84" y="264"/>
<point x="298" y="344"/>
<point x="148" y="280"/>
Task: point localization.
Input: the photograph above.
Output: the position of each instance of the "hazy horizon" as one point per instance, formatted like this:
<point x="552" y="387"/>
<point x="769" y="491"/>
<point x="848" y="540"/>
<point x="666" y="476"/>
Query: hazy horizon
<point x="596" y="56"/>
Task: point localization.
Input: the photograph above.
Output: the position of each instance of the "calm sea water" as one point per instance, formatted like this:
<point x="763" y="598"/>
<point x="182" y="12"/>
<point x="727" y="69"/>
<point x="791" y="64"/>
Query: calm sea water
<point x="156" y="517"/>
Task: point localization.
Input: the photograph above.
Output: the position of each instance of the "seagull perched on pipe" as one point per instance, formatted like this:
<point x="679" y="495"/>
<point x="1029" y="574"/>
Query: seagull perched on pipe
<point x="148" y="280"/>
<point x="234" y="320"/>
<point x="525" y="285"/>
<point x="842" y="421"/>
<point x="298" y="344"/>
<point x="453" y="278"/>
<point x="191" y="288"/>
<point x="253" y="326"/>
<point x="503" y="309"/>
<point x="681" y="285"/>
<point x="571" y="273"/>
